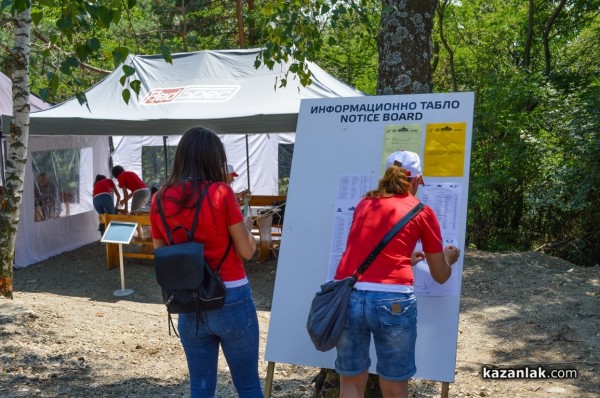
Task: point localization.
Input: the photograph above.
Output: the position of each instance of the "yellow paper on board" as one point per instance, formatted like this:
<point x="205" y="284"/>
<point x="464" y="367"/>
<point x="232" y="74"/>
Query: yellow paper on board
<point x="400" y="137"/>
<point x="444" y="154"/>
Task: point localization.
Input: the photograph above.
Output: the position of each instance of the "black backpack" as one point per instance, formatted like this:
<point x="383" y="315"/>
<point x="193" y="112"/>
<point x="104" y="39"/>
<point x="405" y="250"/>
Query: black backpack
<point x="188" y="282"/>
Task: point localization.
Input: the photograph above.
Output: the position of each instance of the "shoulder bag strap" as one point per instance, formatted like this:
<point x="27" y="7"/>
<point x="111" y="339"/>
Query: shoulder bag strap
<point x="387" y="238"/>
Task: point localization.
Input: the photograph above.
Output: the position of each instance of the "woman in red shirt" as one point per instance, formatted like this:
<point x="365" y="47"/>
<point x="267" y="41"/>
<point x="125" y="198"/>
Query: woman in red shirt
<point x="102" y="197"/>
<point x="200" y="160"/>
<point x="383" y="304"/>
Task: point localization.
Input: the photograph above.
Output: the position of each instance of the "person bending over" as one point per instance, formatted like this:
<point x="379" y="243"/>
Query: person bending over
<point x="383" y="304"/>
<point x="133" y="188"/>
<point x="102" y="197"/>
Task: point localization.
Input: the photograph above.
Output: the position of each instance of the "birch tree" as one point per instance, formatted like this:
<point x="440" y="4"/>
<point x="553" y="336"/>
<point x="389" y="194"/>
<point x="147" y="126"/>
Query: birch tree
<point x="17" y="154"/>
<point x="76" y="25"/>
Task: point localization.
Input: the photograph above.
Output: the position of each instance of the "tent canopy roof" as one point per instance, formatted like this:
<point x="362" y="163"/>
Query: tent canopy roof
<point x="220" y="90"/>
<point x="6" y="100"/>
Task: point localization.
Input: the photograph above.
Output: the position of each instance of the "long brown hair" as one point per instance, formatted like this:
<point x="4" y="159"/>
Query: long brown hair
<point x="393" y="182"/>
<point x="200" y="157"/>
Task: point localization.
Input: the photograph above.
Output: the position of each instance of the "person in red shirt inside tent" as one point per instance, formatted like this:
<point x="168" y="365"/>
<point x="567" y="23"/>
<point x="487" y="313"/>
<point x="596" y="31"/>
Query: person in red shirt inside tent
<point x="103" y="198"/>
<point x="133" y="188"/>
<point x="383" y="304"/>
<point x="200" y="161"/>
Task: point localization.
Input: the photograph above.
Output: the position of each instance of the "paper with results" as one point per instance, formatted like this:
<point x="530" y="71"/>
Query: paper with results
<point x="444" y="199"/>
<point x="351" y="188"/>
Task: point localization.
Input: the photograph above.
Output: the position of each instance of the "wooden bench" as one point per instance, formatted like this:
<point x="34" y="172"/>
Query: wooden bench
<point x="265" y="200"/>
<point x="267" y="232"/>
<point x="112" y="249"/>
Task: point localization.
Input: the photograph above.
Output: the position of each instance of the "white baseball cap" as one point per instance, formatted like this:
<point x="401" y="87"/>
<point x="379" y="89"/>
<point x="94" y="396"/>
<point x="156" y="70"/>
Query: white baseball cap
<point x="409" y="161"/>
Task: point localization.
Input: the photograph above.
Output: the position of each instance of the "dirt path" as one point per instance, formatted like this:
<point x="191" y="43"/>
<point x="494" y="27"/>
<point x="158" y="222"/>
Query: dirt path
<point x="79" y="340"/>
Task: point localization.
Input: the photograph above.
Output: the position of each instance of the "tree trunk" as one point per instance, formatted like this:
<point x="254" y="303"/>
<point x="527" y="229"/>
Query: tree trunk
<point x="240" y="22"/>
<point x="546" y="36"/>
<point x="529" y="37"/>
<point x="17" y="151"/>
<point x="404" y="44"/>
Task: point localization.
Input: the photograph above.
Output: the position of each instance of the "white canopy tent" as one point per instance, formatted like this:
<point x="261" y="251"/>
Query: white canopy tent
<point x="220" y="90"/>
<point x="6" y="108"/>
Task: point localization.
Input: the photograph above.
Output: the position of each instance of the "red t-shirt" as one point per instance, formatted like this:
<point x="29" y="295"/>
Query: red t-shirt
<point x="219" y="210"/>
<point x="373" y="218"/>
<point x="131" y="181"/>
<point x="103" y="186"/>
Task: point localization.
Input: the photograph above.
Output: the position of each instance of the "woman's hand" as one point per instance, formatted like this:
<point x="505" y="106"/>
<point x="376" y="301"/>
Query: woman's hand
<point x="451" y="253"/>
<point x="249" y="222"/>
<point x="416" y="257"/>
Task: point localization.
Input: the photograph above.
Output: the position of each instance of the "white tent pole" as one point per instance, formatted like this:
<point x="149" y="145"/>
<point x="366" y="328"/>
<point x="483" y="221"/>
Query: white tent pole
<point x="248" y="163"/>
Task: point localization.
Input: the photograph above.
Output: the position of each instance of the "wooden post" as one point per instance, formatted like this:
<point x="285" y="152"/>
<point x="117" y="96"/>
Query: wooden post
<point x="445" y="389"/>
<point x="269" y="379"/>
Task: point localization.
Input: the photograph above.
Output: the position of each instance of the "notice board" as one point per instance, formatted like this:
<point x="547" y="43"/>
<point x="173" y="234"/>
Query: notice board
<point x="341" y="145"/>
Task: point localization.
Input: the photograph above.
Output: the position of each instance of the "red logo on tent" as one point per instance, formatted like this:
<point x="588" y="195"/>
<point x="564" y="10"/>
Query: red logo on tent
<point x="190" y="94"/>
<point x="162" y="95"/>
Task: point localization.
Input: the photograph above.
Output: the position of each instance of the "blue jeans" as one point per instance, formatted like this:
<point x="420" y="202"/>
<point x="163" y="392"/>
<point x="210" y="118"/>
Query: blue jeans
<point x="392" y="320"/>
<point x="235" y="328"/>
<point x="103" y="204"/>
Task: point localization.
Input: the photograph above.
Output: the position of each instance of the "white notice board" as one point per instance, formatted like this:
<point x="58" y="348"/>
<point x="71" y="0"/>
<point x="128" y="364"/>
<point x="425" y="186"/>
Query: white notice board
<point x="342" y="139"/>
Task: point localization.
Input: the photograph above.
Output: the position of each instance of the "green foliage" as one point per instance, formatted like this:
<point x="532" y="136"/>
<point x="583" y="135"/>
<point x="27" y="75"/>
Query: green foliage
<point x="74" y="36"/>
<point x="536" y="138"/>
<point x="297" y="31"/>
<point x="536" y="144"/>
<point x="351" y="53"/>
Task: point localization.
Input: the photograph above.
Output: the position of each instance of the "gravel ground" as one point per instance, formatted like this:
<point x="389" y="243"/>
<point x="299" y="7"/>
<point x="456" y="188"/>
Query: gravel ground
<point x="66" y="335"/>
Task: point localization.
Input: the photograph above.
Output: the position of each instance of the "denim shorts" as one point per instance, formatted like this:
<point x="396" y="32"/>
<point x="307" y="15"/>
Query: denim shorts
<point x="392" y="320"/>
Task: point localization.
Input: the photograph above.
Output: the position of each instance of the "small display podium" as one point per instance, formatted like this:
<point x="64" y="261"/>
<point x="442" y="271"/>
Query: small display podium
<point x="120" y="232"/>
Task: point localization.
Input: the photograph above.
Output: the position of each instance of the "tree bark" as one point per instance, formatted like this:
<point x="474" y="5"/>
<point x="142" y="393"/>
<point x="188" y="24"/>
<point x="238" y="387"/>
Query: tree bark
<point x="546" y="35"/>
<point x="529" y="37"/>
<point x="17" y="151"/>
<point x="405" y="49"/>
<point x="240" y="22"/>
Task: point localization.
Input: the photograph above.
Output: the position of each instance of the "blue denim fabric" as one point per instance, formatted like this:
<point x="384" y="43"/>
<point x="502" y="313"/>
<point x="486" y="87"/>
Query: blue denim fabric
<point x="392" y="320"/>
<point x="104" y="204"/>
<point x="235" y="328"/>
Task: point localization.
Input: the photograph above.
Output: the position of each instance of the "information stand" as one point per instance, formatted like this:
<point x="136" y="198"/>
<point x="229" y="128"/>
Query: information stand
<point x="340" y="152"/>
<point x="120" y="232"/>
